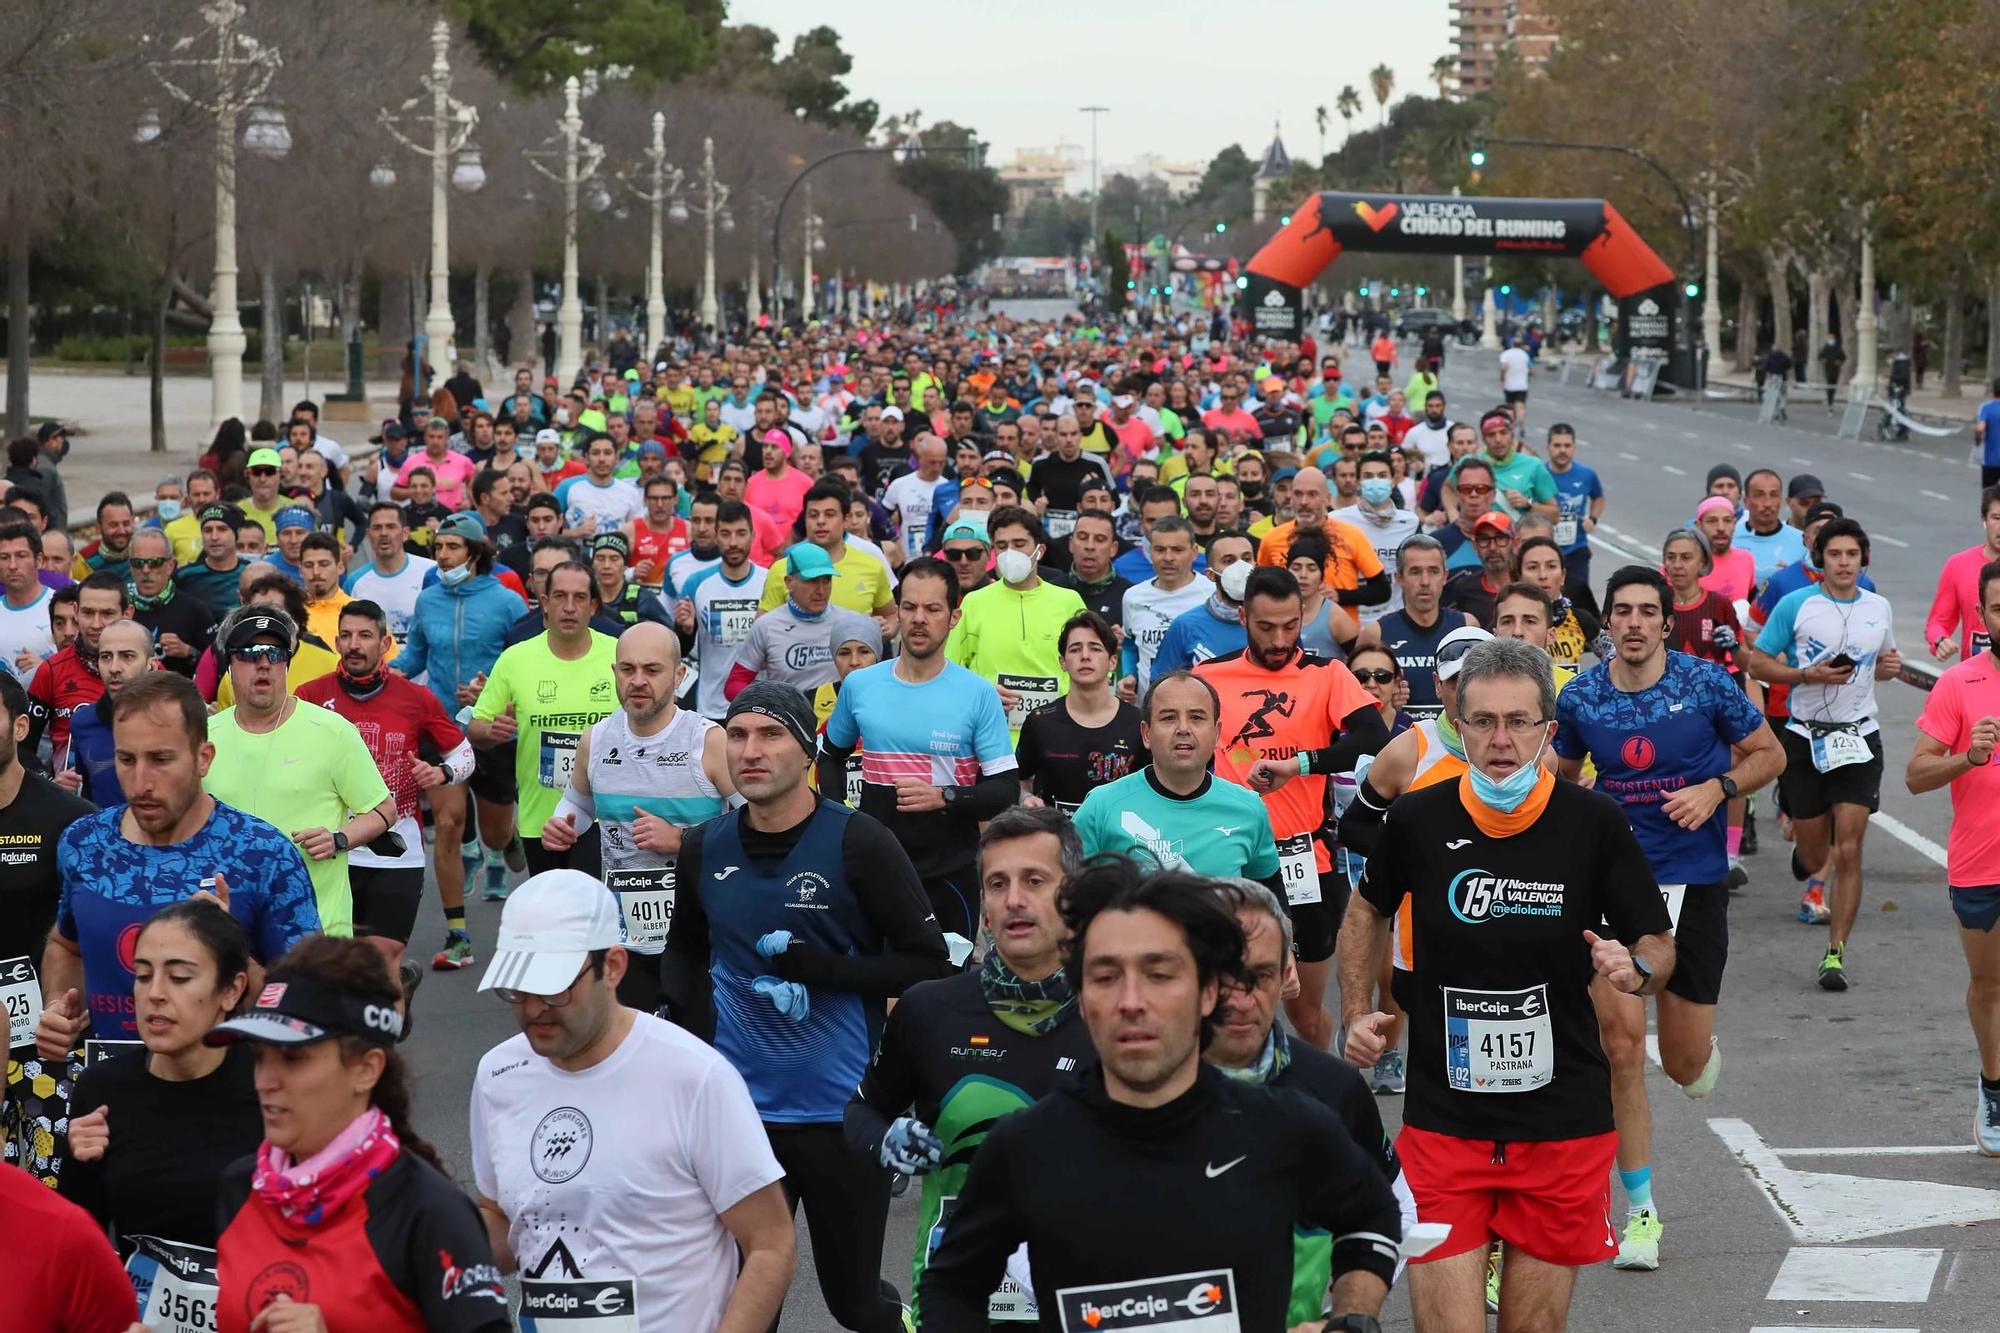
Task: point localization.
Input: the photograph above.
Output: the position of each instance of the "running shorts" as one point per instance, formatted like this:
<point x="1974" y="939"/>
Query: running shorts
<point x="1809" y="793"/>
<point x="1316" y="926"/>
<point x="386" y="899"/>
<point x="1701" y="944"/>
<point x="493" y="775"/>
<point x="1515" y="395"/>
<point x="1977" y="908"/>
<point x="1552" y="1200"/>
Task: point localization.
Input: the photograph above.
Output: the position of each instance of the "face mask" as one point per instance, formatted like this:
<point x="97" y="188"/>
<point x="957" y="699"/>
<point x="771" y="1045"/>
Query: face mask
<point x="1377" y="490"/>
<point x="562" y="416"/>
<point x="1252" y="490"/>
<point x="1234" y="580"/>
<point x="1506" y="794"/>
<point x="1015" y="566"/>
<point x="169" y="510"/>
<point x="451" y="578"/>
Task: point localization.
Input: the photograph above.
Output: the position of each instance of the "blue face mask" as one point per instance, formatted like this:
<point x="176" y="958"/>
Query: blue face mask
<point x="1506" y="794"/>
<point x="451" y="578"/>
<point x="1377" y="490"/>
<point x="168" y="510"/>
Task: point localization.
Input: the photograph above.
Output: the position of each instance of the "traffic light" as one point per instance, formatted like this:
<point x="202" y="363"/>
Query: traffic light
<point x="1131" y="286"/>
<point x="1395" y="291"/>
<point x="1364" y="291"/>
<point x="1221" y="227"/>
<point x="1285" y="221"/>
<point x="1506" y="289"/>
<point x="1423" y="291"/>
<point x="1693" y="289"/>
<point x="1242" y="283"/>
<point x="1477" y="157"/>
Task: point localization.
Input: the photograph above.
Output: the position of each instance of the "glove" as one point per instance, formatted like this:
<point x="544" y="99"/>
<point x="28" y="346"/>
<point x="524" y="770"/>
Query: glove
<point x="773" y="944"/>
<point x="911" y="1148"/>
<point x="1603" y="647"/>
<point x="1724" y="638"/>
<point x="787" y="997"/>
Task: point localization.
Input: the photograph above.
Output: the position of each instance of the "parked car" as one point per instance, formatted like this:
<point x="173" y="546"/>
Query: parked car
<point x="1419" y="320"/>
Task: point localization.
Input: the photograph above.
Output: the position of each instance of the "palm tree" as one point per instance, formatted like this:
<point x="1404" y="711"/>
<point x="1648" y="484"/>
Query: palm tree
<point x="1443" y="70"/>
<point x="1349" y="106"/>
<point x="1382" y="80"/>
<point x="1319" y="123"/>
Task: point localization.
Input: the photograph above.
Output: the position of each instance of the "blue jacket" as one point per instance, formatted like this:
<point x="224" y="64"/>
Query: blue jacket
<point x="456" y="633"/>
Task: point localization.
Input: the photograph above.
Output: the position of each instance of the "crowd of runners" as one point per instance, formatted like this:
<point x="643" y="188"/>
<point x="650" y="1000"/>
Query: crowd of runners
<point x="943" y="751"/>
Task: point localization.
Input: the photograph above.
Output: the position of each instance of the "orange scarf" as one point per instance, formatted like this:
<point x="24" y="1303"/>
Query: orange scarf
<point x="1498" y="823"/>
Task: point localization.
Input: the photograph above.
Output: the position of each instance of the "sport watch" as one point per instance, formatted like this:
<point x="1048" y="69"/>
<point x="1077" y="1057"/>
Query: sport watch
<point x="1645" y="972"/>
<point x="339" y="842"/>
<point x="1730" y="791"/>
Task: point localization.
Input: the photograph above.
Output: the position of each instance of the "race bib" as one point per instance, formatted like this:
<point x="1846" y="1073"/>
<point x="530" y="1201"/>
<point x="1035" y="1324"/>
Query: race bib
<point x="1673" y="895"/>
<point x="645" y="905"/>
<point x="175" y="1285"/>
<point x="852" y="797"/>
<point x="558" y="757"/>
<point x="1203" y="1302"/>
<point x="23" y="994"/>
<point x="729" y="620"/>
<point x="1058" y="523"/>
<point x="1498" y="1041"/>
<point x="1838" y="749"/>
<point x="1566" y="531"/>
<point x="606" y="1305"/>
<point x="1981" y="641"/>
<point x="1297" y="871"/>
<point x="1030" y="693"/>
<point x="97" y="1051"/>
<point x="1010" y="1303"/>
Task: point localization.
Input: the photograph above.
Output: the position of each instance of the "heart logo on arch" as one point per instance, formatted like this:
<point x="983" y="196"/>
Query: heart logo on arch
<point x="1376" y="218"/>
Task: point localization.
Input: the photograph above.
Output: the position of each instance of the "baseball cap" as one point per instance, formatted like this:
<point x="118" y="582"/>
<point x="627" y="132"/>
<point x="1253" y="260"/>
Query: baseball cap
<point x="467" y="525"/>
<point x="549" y="928"/>
<point x="269" y="458"/>
<point x="1453" y="647"/>
<point x="1824" y="509"/>
<point x="964" y="530"/>
<point x="293" y="1009"/>
<point x="251" y="623"/>
<point x="293" y="516"/>
<point x="892" y="413"/>
<point x="48" y="428"/>
<point x="1805" y="486"/>
<point x="808" y="560"/>
<point x="548" y="435"/>
<point x="1493" y="519"/>
<point x="1123" y="400"/>
<point x="1284" y="474"/>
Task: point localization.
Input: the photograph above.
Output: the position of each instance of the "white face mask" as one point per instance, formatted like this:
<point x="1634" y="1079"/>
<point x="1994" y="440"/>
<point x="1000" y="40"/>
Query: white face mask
<point x="1014" y="566"/>
<point x="1235" y="579"/>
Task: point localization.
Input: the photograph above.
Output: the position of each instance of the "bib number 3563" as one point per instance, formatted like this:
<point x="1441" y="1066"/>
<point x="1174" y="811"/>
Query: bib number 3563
<point x="1498" y="1041"/>
<point x="175" y="1285"/>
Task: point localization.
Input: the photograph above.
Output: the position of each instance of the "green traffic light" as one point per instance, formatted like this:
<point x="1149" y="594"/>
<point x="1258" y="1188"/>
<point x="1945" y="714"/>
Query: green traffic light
<point x="1242" y="283"/>
<point x="1221" y="227"/>
<point x="1423" y="291"/>
<point x="1131" y="286"/>
<point x="1506" y="289"/>
<point x="1479" y="157"/>
<point x="1364" y="291"/>
<point x="1693" y="290"/>
<point x="1395" y="291"/>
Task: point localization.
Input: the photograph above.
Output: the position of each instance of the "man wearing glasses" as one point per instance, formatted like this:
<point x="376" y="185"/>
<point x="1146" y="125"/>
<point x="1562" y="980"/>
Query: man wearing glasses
<point x="261" y="507"/>
<point x="1229" y="417"/>
<point x="1475" y="483"/>
<point x="180" y="622"/>
<point x="612" y="1148"/>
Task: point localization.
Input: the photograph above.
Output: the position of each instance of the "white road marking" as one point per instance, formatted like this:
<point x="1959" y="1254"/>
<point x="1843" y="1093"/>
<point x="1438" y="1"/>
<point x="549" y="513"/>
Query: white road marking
<point x="1823" y="1328"/>
<point x="1669" y="467"/>
<point x="1827" y="1208"/>
<point x="1845" y="1273"/>
<point x="1908" y="836"/>
<point x="1901" y="1150"/>
<point x="1739" y="446"/>
<point x="1896" y="542"/>
<point x="1802" y="462"/>
<point x="1860" y="476"/>
<point x="1933" y="495"/>
<point x="1692" y="435"/>
<point x="1628" y="457"/>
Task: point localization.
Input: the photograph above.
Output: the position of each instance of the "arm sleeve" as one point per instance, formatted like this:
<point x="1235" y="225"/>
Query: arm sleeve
<point x="1362" y="731"/>
<point x="1347" y="1195"/>
<point x="984" y="1229"/>
<point x="1384" y="884"/>
<point x="1374" y="591"/>
<point x="1361" y="825"/>
<point x="684" y="964"/>
<point x="81" y="1182"/>
<point x="1028" y="750"/>
<point x="881" y="877"/>
<point x="887" y="1090"/>
<point x="991" y="794"/>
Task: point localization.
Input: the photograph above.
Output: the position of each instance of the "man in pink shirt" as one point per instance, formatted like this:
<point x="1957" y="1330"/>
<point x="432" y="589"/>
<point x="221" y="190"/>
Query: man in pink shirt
<point x="1954" y="626"/>
<point x="452" y="470"/>
<point x="1230" y="418"/>
<point x="1135" y="437"/>
<point x="1956" y="737"/>
<point x="778" y="490"/>
<point x="1734" y="572"/>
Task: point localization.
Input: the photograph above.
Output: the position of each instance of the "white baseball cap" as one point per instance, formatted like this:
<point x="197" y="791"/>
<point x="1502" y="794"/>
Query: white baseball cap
<point x="892" y="413"/>
<point x="1451" y="651"/>
<point x="548" y="436"/>
<point x="548" y="930"/>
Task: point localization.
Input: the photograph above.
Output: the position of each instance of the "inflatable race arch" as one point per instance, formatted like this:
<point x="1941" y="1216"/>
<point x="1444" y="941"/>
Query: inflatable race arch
<point x="1430" y="224"/>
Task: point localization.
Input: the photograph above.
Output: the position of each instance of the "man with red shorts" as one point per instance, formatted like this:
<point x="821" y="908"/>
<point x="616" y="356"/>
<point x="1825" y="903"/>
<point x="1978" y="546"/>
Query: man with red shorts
<point x="1508" y="1130"/>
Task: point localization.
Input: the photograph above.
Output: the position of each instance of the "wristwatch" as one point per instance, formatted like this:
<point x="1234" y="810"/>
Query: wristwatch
<point x="339" y="842"/>
<point x="1645" y="974"/>
<point x="1730" y="791"/>
<point x="950" y="795"/>
<point x="1353" y="1323"/>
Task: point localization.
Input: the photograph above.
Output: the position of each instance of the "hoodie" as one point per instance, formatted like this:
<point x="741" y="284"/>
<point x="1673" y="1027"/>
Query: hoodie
<point x="455" y="633"/>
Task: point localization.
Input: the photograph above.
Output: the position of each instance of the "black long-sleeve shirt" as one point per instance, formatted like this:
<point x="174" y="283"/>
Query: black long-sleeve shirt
<point x="1191" y="1203"/>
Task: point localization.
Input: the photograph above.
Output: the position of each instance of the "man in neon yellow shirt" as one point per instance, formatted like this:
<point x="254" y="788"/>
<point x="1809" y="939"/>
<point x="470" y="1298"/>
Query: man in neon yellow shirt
<point x="1010" y="630"/>
<point x="304" y="770"/>
<point x="546" y="692"/>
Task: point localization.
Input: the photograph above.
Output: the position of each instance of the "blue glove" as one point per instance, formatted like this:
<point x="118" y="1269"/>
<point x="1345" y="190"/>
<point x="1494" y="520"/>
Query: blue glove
<point x="1725" y="638"/>
<point x="911" y="1148"/>
<point x="787" y="997"/>
<point x="773" y="944"/>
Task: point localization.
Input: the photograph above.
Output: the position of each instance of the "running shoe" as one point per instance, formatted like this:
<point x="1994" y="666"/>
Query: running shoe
<point x="457" y="953"/>
<point x="1493" y="1279"/>
<point x="1639" y="1249"/>
<point x="1750" y="832"/>
<point x="471" y="853"/>
<point x="496" y="883"/>
<point x="899" y="1184"/>
<point x="1813" y="910"/>
<point x="1388" y="1077"/>
<point x="517" y="855"/>
<point x="1738" y="878"/>
<point x="1704" y="1082"/>
<point x="1986" y="1122"/>
<point x="1833" y="969"/>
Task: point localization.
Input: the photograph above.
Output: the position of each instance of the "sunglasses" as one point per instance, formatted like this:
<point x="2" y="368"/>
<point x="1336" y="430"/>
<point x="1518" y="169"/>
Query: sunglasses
<point x="148" y="561"/>
<point x="262" y="471"/>
<point x="265" y="654"/>
<point x="1475" y="490"/>
<point x="964" y="555"/>
<point x="1376" y="676"/>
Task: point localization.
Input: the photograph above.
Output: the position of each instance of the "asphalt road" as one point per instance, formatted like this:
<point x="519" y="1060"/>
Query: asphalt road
<point x="1830" y="1182"/>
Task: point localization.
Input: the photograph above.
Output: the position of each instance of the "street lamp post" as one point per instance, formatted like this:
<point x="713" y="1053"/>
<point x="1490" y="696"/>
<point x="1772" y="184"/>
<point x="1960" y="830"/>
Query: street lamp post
<point x="244" y="68"/>
<point x="806" y="260"/>
<point x="714" y="210"/>
<point x="1093" y="112"/>
<point x="666" y="184"/>
<point x="1864" y="313"/>
<point x="580" y="157"/>
<point x="451" y="125"/>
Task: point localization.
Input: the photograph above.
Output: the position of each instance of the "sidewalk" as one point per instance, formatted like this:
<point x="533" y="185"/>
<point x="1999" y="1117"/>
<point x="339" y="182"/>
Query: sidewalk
<point x="1928" y="401"/>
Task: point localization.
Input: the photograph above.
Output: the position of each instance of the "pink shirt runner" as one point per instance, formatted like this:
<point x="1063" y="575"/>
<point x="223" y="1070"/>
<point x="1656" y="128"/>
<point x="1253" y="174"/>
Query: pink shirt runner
<point x="1955" y="608"/>
<point x="1967" y="692"/>
<point x="1734" y="575"/>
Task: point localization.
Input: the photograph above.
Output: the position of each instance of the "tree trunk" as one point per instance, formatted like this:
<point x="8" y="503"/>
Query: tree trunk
<point x="1816" y="295"/>
<point x="1954" y="340"/>
<point x="156" y="368"/>
<point x="481" y="320"/>
<point x="1993" y="327"/>
<point x="271" y="322"/>
<point x="18" y="315"/>
<point x="396" y="330"/>
<point x="1777" y="265"/>
<point x="526" y="343"/>
<point x="1746" y="325"/>
<point x="347" y="297"/>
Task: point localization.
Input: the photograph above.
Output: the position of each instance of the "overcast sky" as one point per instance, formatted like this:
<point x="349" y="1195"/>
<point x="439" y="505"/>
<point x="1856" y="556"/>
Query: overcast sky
<point x="1183" y="78"/>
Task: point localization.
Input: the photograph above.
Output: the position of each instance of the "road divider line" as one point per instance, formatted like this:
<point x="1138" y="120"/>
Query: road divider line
<point x="1802" y="462"/>
<point x="1628" y="457"/>
<point x="1669" y="467"/>
<point x="1908" y="836"/>
<point x="1897" y="542"/>
<point x="1933" y="495"/>
<point x="1860" y="476"/>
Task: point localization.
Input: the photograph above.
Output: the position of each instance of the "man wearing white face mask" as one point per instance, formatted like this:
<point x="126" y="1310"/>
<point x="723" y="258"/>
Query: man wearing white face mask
<point x="1384" y="522"/>
<point x="1508" y="1131"/>
<point x="1215" y="628"/>
<point x="1010" y="630"/>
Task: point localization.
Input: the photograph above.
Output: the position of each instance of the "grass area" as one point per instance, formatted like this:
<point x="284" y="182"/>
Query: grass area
<point x="188" y="356"/>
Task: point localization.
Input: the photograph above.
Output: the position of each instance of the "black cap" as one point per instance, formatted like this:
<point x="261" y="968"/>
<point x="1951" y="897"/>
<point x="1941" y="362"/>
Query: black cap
<point x="296" y="1010"/>
<point x="1824" y="509"/>
<point x="785" y="704"/>
<point x="613" y="541"/>
<point x="1805" y="486"/>
<point x="1721" y="470"/>
<point x="222" y="512"/>
<point x="48" y="428"/>
<point x="248" y="624"/>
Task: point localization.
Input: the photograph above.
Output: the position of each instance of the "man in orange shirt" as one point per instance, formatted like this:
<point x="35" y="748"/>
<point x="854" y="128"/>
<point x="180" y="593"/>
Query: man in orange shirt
<point x="1354" y="571"/>
<point x="1289" y="720"/>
